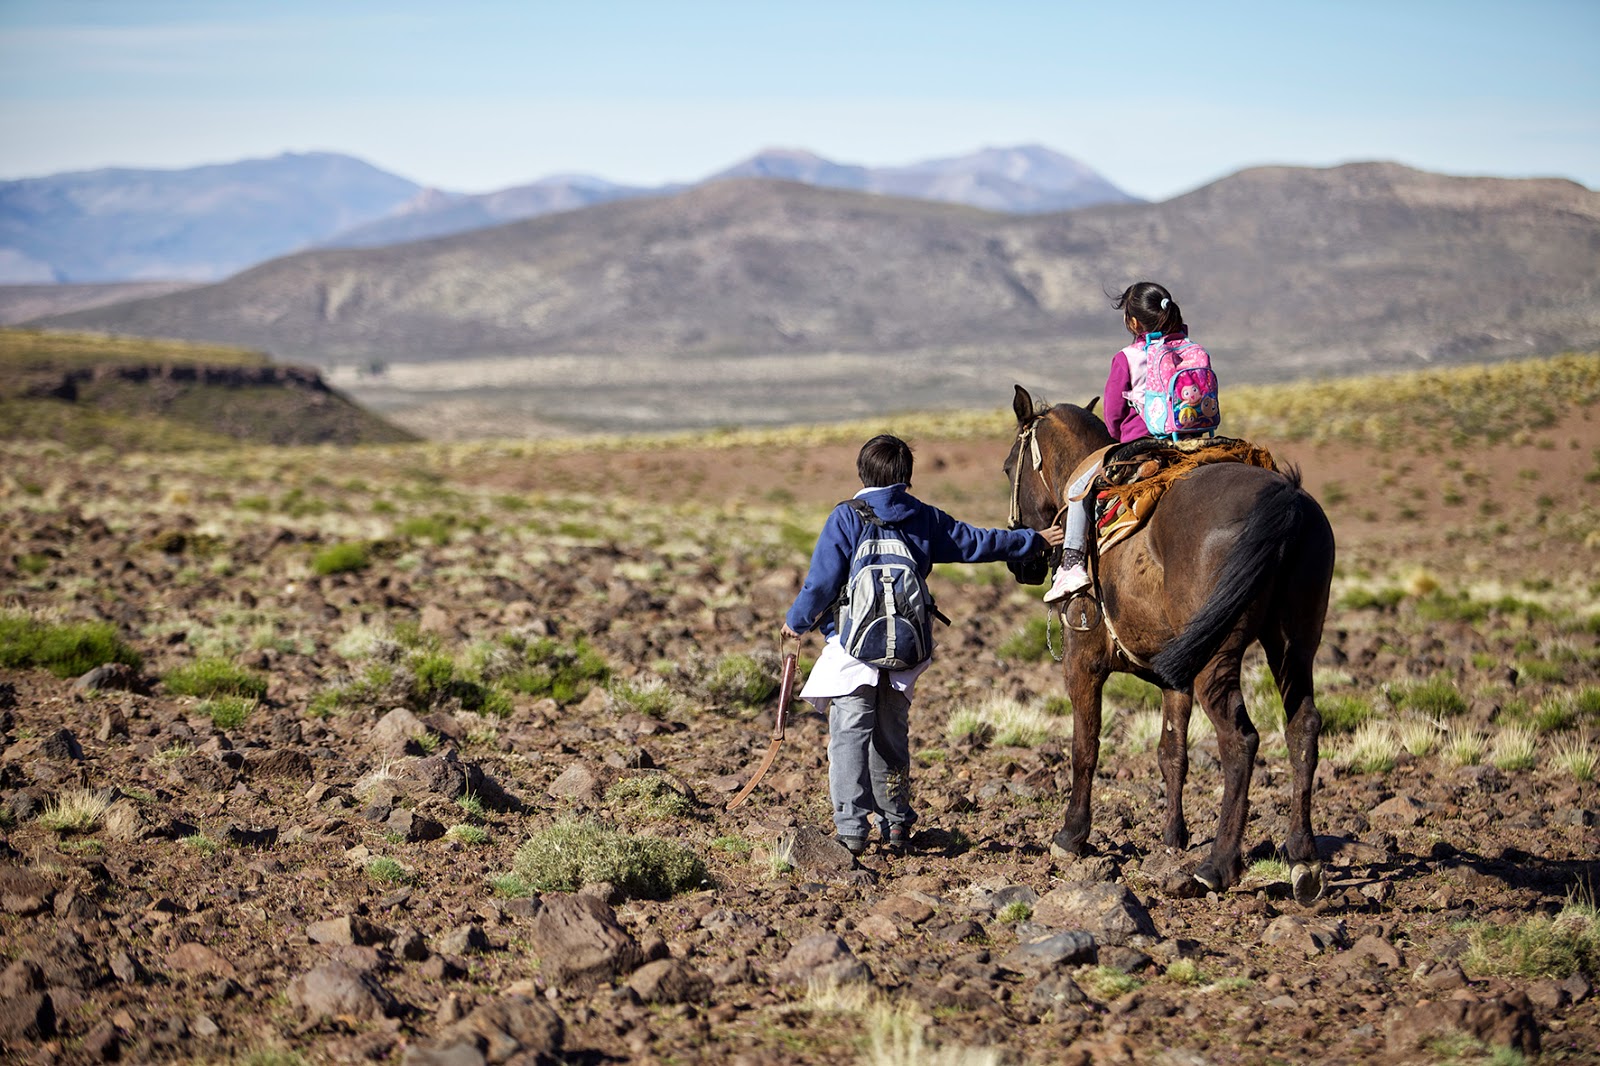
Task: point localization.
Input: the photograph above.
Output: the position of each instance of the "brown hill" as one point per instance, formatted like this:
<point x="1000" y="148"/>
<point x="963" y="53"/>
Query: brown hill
<point x="1286" y="269"/>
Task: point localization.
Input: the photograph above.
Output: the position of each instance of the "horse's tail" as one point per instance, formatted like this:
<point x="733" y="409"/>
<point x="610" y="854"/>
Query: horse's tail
<point x="1268" y="533"/>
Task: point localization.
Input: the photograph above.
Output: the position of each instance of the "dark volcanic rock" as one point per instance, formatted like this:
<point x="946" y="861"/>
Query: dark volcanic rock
<point x="579" y="941"/>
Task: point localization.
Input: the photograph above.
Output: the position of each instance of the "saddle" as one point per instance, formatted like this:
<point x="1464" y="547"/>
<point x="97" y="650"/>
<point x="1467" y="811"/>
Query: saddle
<point x="1134" y="477"/>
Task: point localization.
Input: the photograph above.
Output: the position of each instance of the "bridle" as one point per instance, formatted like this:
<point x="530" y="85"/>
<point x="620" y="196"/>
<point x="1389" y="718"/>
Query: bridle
<point x="1028" y="443"/>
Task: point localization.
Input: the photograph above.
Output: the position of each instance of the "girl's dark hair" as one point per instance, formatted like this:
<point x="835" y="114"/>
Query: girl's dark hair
<point x="1143" y="300"/>
<point x="884" y="460"/>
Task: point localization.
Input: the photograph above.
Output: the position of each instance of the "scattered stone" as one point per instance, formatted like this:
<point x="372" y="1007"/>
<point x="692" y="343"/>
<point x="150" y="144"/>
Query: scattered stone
<point x="59" y="745"/>
<point x="579" y="941"/>
<point x="814" y="853"/>
<point x="199" y="959"/>
<point x="413" y="827"/>
<point x="1123" y="959"/>
<point x="1109" y="911"/>
<point x="822" y="957"/>
<point x="24" y="892"/>
<point x="247" y="836"/>
<point x="463" y="940"/>
<point x="1375" y="948"/>
<point x="1400" y="810"/>
<point x="1294" y="933"/>
<point x="394" y="732"/>
<point x="109" y="677"/>
<point x="904" y="909"/>
<point x="669" y="981"/>
<point x="513" y="1026"/>
<point x="112" y="724"/>
<point x="1507" y="1022"/>
<point x="1041" y="957"/>
<point x="287" y="764"/>
<point x="578" y="783"/>
<point x="347" y="929"/>
<point x="337" y="989"/>
<point x="31" y="1017"/>
<point x="1444" y="977"/>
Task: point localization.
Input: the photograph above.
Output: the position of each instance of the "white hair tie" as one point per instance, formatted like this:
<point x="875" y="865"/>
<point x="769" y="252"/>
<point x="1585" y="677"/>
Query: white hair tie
<point x="1164" y="303"/>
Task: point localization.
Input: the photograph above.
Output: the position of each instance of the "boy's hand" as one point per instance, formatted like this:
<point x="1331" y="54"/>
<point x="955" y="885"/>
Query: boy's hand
<point x="788" y="633"/>
<point x="1053" y="536"/>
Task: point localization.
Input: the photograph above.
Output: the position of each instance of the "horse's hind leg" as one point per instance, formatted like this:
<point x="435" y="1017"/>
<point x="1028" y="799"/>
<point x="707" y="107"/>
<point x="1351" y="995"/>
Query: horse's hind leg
<point x="1237" y="740"/>
<point x="1292" y="667"/>
<point x="1084" y="688"/>
<point x="1173" y="754"/>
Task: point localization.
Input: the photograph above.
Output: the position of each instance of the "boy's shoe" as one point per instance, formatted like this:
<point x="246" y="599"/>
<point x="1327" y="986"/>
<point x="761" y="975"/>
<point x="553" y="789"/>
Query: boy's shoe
<point x="854" y="845"/>
<point x="897" y="837"/>
<point x="1073" y="576"/>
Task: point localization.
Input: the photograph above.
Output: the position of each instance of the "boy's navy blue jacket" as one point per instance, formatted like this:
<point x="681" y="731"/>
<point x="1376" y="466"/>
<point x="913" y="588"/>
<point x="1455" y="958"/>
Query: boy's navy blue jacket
<point x="934" y="537"/>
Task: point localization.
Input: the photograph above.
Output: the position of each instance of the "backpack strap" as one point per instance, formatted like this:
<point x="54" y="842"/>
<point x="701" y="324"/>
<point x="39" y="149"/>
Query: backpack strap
<point x="869" y="516"/>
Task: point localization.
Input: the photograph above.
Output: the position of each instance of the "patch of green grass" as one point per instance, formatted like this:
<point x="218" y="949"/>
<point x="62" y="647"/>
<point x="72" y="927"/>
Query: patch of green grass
<point x="546" y="667"/>
<point x="1185" y="972"/>
<point x="1514" y="748"/>
<point x="1370" y="749"/>
<point x="471" y="805"/>
<point x="740" y="680"/>
<point x="1577" y="757"/>
<point x="343" y="558"/>
<point x="435" y="528"/>
<point x="738" y="847"/>
<point x="1106" y="983"/>
<point x="1541" y="670"/>
<point x="1437" y="697"/>
<point x="1343" y="714"/>
<point x="650" y="796"/>
<point x="571" y="854"/>
<point x="205" y="845"/>
<point x="1015" y="911"/>
<point x="467" y="834"/>
<point x="1026" y="645"/>
<point x="1360" y="599"/>
<point x="512" y="886"/>
<point x="228" y="712"/>
<point x="210" y="678"/>
<point x="649" y="696"/>
<point x="385" y="870"/>
<point x="77" y="810"/>
<point x="66" y="649"/>
<point x="1131" y="693"/>
<point x="1537" y="946"/>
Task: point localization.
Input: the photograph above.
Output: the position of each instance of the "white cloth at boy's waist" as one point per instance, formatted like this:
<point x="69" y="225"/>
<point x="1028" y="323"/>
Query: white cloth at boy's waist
<point x="838" y="673"/>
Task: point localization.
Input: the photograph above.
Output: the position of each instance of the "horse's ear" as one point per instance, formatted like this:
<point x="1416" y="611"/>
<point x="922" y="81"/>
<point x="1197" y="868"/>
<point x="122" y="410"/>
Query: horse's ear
<point x="1090" y="405"/>
<point x="1022" y="405"/>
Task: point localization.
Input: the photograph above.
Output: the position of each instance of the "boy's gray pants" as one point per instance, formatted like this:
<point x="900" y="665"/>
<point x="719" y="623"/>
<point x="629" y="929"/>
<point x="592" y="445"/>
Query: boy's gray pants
<point x="869" y="758"/>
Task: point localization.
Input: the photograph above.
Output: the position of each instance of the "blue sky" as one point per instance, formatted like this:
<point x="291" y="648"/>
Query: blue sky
<point x="1159" y="97"/>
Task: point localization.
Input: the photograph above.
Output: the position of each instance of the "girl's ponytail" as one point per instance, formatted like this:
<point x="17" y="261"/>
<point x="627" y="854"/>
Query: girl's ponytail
<point x="1152" y="308"/>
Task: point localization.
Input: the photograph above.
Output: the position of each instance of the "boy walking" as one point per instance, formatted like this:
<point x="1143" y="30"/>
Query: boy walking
<point x="869" y="757"/>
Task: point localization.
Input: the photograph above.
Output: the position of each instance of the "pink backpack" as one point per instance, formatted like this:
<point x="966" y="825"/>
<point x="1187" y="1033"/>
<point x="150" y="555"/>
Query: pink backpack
<point x="1179" y="397"/>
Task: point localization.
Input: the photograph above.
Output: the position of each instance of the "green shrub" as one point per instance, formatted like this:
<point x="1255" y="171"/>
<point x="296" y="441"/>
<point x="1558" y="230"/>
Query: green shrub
<point x="227" y="712"/>
<point x="342" y="558"/>
<point x="388" y="871"/>
<point x="66" y="650"/>
<point x="436" y="528"/>
<point x="546" y="667"/>
<point x="1537" y="946"/>
<point x="1374" y="599"/>
<point x="650" y="697"/>
<point x="740" y="680"/>
<point x="571" y="854"/>
<point x="1541" y="670"/>
<point x="1437" y="698"/>
<point x="649" y="796"/>
<point x="215" y="677"/>
<point x="1131" y="693"/>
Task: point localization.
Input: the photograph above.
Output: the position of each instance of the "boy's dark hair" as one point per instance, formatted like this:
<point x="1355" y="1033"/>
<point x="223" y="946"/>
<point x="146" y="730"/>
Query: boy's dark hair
<point x="1142" y="300"/>
<point x="884" y="460"/>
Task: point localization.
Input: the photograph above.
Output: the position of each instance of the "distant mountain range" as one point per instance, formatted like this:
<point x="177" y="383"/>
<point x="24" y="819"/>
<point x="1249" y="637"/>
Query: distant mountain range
<point x="206" y="223"/>
<point x="1286" y="270"/>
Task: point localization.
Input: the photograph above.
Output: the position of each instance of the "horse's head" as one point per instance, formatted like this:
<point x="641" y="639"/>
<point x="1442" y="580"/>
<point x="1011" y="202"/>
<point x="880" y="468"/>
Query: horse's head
<point x="1050" y="442"/>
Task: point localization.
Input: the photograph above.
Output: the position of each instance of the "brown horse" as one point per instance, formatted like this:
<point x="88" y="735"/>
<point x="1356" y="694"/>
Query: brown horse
<point x="1233" y="554"/>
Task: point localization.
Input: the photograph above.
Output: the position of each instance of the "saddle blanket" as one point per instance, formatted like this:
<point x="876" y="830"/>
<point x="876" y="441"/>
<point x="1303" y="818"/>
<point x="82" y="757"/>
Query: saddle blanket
<point x="1137" y="475"/>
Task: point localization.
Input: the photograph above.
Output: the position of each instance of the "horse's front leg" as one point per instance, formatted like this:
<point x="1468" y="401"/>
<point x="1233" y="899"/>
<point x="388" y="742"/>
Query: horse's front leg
<point x="1172" y="753"/>
<point x="1085" y="679"/>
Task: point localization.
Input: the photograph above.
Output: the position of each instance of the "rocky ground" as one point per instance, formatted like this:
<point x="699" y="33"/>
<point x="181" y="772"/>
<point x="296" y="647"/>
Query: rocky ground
<point x="282" y="888"/>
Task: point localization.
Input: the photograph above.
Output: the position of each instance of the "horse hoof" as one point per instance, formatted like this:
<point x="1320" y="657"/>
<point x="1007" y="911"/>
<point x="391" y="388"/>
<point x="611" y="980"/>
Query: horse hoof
<point x="1306" y="883"/>
<point x="1063" y="846"/>
<point x="1209" y="878"/>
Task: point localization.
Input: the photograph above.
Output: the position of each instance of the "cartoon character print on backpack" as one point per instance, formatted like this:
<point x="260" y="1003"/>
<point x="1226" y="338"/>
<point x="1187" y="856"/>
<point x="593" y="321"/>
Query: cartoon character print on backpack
<point x="885" y="612"/>
<point x="1180" y="388"/>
